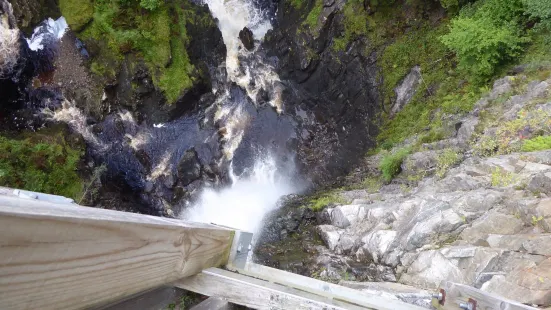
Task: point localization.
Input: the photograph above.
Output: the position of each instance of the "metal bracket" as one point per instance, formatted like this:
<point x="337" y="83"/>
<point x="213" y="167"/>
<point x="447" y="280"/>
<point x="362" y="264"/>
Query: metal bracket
<point x="240" y="249"/>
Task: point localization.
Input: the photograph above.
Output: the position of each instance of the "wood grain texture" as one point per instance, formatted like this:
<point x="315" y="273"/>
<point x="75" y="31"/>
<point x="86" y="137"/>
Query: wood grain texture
<point x="324" y="288"/>
<point x="55" y="256"/>
<point x="458" y="293"/>
<point x="212" y="303"/>
<point x="257" y="294"/>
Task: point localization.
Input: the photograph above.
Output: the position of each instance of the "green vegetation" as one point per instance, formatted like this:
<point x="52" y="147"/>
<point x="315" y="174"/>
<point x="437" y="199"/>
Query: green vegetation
<point x="312" y="17"/>
<point x="502" y="178"/>
<point x="355" y="25"/>
<point x="151" y="29"/>
<point x="447" y="160"/>
<point x="508" y="135"/>
<point x="297" y="4"/>
<point x="318" y="203"/>
<point x="390" y="164"/>
<point x="537" y="144"/>
<point x="43" y="162"/>
<point x="372" y="184"/>
<point x="77" y="13"/>
<point x="486" y="35"/>
<point x="536" y="220"/>
<point x="458" y="54"/>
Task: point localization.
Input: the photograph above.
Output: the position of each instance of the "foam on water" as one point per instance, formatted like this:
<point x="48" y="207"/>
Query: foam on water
<point x="258" y="190"/>
<point x="71" y="115"/>
<point x="243" y="204"/>
<point x="55" y="28"/>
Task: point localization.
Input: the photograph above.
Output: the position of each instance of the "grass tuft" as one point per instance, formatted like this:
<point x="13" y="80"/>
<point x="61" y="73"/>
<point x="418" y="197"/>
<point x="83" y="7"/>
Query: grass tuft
<point x="390" y="164"/>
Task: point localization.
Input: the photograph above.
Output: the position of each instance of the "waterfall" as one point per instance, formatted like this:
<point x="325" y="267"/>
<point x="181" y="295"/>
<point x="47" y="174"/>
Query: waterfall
<point x="247" y="115"/>
<point x="258" y="189"/>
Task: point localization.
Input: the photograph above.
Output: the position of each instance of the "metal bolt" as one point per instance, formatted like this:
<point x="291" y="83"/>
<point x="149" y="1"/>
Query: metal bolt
<point x="470" y="305"/>
<point x="440" y="296"/>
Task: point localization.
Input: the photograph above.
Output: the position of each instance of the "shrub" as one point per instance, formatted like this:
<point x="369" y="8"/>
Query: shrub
<point x="485" y="36"/>
<point x="391" y="164"/>
<point x="537" y="144"/>
<point x="539" y="9"/>
<point x="481" y="46"/>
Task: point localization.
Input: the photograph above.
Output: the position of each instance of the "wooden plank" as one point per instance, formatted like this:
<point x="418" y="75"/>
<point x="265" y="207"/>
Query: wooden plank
<point x="459" y="293"/>
<point x="63" y="256"/>
<point x="324" y="288"/>
<point x="212" y="303"/>
<point x="255" y="293"/>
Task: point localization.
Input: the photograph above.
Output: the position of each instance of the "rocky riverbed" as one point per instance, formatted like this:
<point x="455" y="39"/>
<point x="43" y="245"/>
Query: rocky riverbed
<point x="481" y="219"/>
<point x="214" y="110"/>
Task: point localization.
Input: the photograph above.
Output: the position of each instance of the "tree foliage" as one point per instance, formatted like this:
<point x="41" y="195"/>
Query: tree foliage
<point x="539" y="9"/>
<point x="150" y="4"/>
<point x="485" y="35"/>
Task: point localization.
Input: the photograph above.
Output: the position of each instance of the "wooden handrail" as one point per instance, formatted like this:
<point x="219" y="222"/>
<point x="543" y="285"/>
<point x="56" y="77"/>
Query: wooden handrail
<point x="64" y="256"/>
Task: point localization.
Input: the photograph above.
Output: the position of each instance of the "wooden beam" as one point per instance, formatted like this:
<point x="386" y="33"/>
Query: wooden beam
<point x="64" y="256"/>
<point x="212" y="303"/>
<point x="459" y="293"/>
<point x="255" y="293"/>
<point x="323" y="288"/>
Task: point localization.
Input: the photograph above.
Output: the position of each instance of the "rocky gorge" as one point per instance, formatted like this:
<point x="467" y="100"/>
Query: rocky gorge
<point x="345" y="134"/>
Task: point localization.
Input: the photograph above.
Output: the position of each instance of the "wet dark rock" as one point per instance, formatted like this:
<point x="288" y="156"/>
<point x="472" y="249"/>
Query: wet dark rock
<point x="337" y="90"/>
<point x="30" y="13"/>
<point x="144" y="159"/>
<point x="246" y="37"/>
<point x="189" y="167"/>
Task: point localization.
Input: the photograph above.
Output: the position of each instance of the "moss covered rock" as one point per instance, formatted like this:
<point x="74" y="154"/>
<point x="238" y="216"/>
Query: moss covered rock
<point x="159" y="36"/>
<point x="45" y="161"/>
<point x="78" y="13"/>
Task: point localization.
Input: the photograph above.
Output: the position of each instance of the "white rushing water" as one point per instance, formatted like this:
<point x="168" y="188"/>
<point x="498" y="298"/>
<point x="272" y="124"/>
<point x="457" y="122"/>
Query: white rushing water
<point x="243" y="204"/>
<point x="55" y="28"/>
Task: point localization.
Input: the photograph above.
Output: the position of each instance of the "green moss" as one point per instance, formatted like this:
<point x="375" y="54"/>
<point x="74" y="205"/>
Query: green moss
<point x="158" y="35"/>
<point x="43" y="162"/>
<point x="176" y="78"/>
<point x="297" y="4"/>
<point x="390" y="164"/>
<point x="537" y="144"/>
<point x="312" y="17"/>
<point x="318" y="203"/>
<point x="355" y="25"/>
<point x="77" y="12"/>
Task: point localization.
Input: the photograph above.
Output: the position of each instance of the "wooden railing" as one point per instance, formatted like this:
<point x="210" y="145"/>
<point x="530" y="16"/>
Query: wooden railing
<point x="58" y="255"/>
<point x="65" y="256"/>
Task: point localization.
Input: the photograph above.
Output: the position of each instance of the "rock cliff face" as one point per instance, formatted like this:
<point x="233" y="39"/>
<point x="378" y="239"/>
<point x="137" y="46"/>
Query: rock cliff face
<point x="481" y="219"/>
<point x="333" y="94"/>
